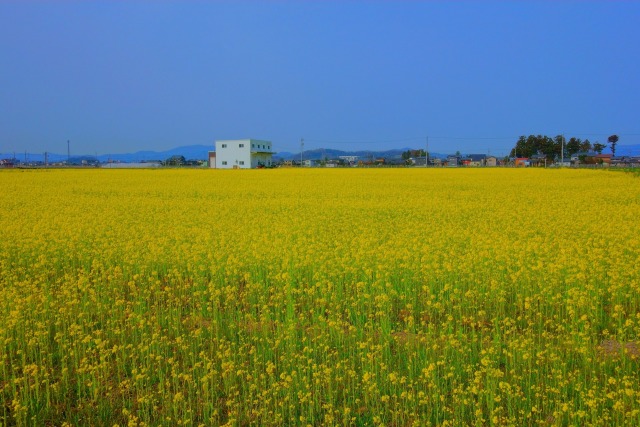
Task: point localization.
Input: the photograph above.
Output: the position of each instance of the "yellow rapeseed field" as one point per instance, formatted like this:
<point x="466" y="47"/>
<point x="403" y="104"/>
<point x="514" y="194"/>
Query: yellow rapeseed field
<point x="392" y="297"/>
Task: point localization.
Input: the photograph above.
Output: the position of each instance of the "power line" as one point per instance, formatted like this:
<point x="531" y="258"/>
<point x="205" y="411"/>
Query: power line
<point x="378" y="141"/>
<point x="420" y="138"/>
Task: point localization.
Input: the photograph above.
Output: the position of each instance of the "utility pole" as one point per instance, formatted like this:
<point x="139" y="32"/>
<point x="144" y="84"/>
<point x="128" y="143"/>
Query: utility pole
<point x="426" y="155"/>
<point x="562" y="152"/>
<point x="301" y="150"/>
<point x="46" y="159"/>
<point x="68" y="153"/>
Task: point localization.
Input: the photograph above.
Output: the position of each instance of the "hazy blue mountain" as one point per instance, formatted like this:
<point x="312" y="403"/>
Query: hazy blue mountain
<point x="200" y="152"/>
<point x="627" y="150"/>
<point x="190" y="152"/>
<point x="322" y="153"/>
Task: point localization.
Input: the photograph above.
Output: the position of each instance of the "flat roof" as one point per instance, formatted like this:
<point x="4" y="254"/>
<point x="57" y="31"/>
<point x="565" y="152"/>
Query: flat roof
<point x="244" y="140"/>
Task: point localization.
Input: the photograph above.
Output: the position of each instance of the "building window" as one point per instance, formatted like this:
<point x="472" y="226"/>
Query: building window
<point x="224" y="162"/>
<point x="241" y="145"/>
<point x="242" y="162"/>
<point x="224" y="145"/>
<point x="253" y="145"/>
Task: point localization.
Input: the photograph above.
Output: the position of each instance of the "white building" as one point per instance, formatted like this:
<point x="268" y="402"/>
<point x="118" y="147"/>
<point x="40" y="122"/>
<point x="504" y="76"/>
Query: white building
<point x="241" y="154"/>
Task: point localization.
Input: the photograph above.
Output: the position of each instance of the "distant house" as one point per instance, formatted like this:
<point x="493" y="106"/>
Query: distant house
<point x="625" y="161"/>
<point x="538" y="160"/>
<point x="590" y="158"/>
<point x="453" y="160"/>
<point x="418" y="161"/>
<point x="477" y="159"/>
<point x="491" y="161"/>
<point x="241" y="154"/>
<point x="618" y="161"/>
<point x="603" y="159"/>
<point x="521" y="161"/>
<point x="350" y="160"/>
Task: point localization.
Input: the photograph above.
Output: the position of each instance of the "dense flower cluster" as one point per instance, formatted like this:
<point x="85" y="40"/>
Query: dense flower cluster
<point x="319" y="297"/>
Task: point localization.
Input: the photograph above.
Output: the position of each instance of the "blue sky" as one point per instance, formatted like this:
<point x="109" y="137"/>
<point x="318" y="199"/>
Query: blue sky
<point x="124" y="76"/>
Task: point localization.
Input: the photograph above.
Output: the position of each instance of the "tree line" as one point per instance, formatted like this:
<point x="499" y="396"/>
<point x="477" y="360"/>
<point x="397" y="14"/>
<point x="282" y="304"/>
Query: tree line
<point x="413" y="153"/>
<point x="551" y="148"/>
<point x="178" y="160"/>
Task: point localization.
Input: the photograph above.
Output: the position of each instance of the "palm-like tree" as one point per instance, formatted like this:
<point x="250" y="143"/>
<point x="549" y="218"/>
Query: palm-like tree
<point x="613" y="140"/>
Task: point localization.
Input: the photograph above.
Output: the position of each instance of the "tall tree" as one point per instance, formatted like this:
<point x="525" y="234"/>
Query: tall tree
<point x="597" y="147"/>
<point x="519" y="147"/>
<point x="527" y="146"/>
<point x="586" y="146"/>
<point x="613" y="140"/>
<point x="573" y="146"/>
<point x="551" y="147"/>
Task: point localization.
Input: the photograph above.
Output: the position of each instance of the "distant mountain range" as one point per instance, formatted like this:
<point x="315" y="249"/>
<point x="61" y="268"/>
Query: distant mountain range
<point x="200" y="152"/>
<point x="190" y="152"/>
<point x="628" y="150"/>
<point x="329" y="153"/>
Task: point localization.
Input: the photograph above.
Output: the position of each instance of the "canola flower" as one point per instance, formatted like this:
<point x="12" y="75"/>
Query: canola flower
<point x="319" y="297"/>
